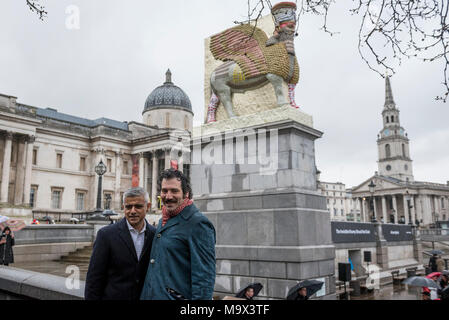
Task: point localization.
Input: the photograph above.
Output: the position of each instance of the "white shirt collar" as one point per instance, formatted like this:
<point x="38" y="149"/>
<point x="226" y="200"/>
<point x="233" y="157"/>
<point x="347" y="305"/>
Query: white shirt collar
<point x="130" y="227"/>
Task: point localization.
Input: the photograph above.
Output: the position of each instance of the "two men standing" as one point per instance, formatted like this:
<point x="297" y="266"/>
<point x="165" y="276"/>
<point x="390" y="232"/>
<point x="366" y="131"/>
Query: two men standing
<point x="132" y="259"/>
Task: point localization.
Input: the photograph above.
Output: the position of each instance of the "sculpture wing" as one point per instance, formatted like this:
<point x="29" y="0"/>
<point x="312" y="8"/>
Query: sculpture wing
<point x="242" y="44"/>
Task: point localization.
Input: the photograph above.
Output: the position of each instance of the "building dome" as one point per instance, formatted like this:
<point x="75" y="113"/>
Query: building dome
<point x="168" y="96"/>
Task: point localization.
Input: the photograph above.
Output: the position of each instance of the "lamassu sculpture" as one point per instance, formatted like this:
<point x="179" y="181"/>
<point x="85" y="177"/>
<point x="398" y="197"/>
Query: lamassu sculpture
<point x="251" y="60"/>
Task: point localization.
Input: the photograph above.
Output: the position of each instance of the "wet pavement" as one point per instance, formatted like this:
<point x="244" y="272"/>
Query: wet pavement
<point x="392" y="292"/>
<point x="388" y="292"/>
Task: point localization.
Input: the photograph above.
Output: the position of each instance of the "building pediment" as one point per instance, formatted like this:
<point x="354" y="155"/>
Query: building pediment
<point x="382" y="183"/>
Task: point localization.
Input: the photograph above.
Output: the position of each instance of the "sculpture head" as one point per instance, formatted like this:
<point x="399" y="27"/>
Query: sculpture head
<point x="284" y="14"/>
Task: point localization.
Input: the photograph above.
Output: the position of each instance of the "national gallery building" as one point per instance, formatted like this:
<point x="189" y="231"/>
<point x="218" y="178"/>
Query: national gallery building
<point x="48" y="158"/>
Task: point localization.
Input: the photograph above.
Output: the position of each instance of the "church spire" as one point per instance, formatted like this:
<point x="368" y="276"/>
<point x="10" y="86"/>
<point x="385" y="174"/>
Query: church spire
<point x="388" y="92"/>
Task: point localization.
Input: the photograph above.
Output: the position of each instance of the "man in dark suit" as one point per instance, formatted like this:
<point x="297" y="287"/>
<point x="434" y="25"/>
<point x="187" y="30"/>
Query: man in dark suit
<point x="121" y="253"/>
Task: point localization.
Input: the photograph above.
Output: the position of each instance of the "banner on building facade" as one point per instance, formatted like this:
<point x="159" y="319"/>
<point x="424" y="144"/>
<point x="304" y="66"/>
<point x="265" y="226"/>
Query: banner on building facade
<point x="344" y="232"/>
<point x="394" y="232"/>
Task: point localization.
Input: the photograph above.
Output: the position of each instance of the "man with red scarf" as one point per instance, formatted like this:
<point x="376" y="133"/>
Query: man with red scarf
<point x="182" y="261"/>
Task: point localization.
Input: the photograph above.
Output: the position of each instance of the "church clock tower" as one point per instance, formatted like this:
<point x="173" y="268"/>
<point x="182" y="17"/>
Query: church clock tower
<point x="393" y="143"/>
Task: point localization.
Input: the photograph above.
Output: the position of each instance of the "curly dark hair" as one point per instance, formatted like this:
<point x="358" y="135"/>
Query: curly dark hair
<point x="172" y="173"/>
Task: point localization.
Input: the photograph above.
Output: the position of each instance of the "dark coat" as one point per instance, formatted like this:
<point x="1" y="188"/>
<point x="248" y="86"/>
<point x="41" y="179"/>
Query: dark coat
<point x="182" y="258"/>
<point x="6" y="253"/>
<point x="433" y="264"/>
<point x="114" y="271"/>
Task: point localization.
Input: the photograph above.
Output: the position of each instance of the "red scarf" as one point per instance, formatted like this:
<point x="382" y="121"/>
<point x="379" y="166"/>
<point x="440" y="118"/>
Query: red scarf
<point x="166" y="214"/>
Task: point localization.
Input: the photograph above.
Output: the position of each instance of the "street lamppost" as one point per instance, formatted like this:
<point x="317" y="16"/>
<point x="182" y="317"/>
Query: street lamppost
<point x="100" y="169"/>
<point x="371" y="187"/>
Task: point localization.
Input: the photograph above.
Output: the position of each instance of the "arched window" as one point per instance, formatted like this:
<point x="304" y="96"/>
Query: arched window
<point x="387" y="151"/>
<point x="403" y="150"/>
<point x="388" y="120"/>
<point x="392" y="118"/>
<point x="186" y="122"/>
<point x="167" y="120"/>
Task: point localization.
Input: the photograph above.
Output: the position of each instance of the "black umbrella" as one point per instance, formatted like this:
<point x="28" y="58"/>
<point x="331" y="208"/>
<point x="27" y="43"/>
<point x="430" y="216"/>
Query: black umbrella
<point x="437" y="252"/>
<point x="46" y="218"/>
<point x="420" y="282"/>
<point x="256" y="286"/>
<point x="109" y="213"/>
<point x="312" y="287"/>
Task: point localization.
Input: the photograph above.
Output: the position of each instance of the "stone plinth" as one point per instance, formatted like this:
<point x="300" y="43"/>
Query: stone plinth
<point x="272" y="224"/>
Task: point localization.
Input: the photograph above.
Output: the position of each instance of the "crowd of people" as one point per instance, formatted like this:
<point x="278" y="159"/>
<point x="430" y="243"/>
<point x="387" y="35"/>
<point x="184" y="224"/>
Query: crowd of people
<point x="440" y="277"/>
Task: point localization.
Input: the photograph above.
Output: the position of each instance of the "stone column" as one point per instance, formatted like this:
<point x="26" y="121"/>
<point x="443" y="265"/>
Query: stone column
<point x="359" y="206"/>
<point x="395" y="208"/>
<point x="419" y="209"/>
<point x="405" y="209"/>
<point x="146" y="174"/>
<point x="118" y="178"/>
<point x="435" y="204"/>
<point x="384" y="209"/>
<point x="28" y="169"/>
<point x="373" y="199"/>
<point x="154" y="180"/>
<point x="141" y="170"/>
<point x="181" y="163"/>
<point x="167" y="158"/>
<point x="412" y="210"/>
<point x="364" y="210"/>
<point x="20" y="170"/>
<point x="6" y="167"/>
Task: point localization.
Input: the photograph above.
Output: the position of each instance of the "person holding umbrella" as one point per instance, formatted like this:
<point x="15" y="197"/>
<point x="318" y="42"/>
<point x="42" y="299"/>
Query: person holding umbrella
<point x="433" y="263"/>
<point x="304" y="290"/>
<point x="302" y="294"/>
<point x="250" y="291"/>
<point x="440" y="264"/>
<point x="6" y="244"/>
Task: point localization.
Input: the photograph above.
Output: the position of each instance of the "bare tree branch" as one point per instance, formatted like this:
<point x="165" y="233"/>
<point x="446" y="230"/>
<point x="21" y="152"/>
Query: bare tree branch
<point x="37" y="8"/>
<point x="389" y="31"/>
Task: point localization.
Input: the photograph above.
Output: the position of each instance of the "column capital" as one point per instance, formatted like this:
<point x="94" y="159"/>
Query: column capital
<point x="9" y="135"/>
<point x="31" y="138"/>
<point x="119" y="153"/>
<point x="99" y="150"/>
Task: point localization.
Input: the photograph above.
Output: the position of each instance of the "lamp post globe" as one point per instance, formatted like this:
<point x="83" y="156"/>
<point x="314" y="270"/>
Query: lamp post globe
<point x="100" y="169"/>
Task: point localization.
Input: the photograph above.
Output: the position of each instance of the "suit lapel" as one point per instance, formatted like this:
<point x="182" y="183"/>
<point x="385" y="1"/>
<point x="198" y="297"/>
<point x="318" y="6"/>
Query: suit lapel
<point x="126" y="237"/>
<point x="148" y="239"/>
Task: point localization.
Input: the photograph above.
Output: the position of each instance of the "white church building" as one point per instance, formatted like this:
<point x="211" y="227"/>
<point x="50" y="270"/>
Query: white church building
<point x="392" y="195"/>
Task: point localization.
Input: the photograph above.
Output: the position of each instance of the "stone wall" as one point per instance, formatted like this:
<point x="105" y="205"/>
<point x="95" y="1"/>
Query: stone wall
<point x="50" y="242"/>
<point x="20" y="284"/>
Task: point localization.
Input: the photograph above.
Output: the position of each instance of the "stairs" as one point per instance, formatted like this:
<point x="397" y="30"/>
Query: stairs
<point x="79" y="257"/>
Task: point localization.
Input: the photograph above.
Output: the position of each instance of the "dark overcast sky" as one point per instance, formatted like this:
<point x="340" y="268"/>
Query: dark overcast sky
<point x="120" y="54"/>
